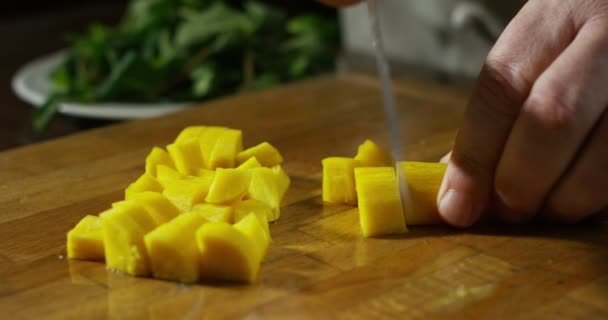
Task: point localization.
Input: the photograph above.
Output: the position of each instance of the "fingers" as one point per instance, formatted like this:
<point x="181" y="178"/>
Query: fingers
<point x="527" y="47"/>
<point x="583" y="190"/>
<point x="564" y="105"/>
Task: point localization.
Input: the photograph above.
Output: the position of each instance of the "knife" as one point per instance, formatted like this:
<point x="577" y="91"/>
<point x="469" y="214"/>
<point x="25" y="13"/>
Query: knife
<point x="390" y="106"/>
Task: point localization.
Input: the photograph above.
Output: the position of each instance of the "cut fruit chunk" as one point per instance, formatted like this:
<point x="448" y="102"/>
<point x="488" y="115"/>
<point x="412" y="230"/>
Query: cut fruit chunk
<point x="260" y="209"/>
<point x="158" y="206"/>
<point x="380" y="209"/>
<point x="255" y="230"/>
<point x="214" y="212"/>
<point x="264" y="152"/>
<point x="372" y="155"/>
<point x="269" y="185"/>
<point x="424" y="180"/>
<point x="230" y="252"/>
<point x="158" y="157"/>
<point x="187" y="192"/>
<point x="124" y="227"/>
<point x="165" y="174"/>
<point x="229" y="185"/>
<point x="228" y="144"/>
<point x="207" y="141"/>
<point x="192" y="132"/>
<point x="339" y="180"/>
<point x="146" y="182"/>
<point x="283" y="181"/>
<point x="85" y="241"/>
<point x="250" y="164"/>
<point x="186" y="155"/>
<point x="172" y="248"/>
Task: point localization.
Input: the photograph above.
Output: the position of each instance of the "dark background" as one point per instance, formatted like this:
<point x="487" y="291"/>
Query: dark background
<point x="32" y="28"/>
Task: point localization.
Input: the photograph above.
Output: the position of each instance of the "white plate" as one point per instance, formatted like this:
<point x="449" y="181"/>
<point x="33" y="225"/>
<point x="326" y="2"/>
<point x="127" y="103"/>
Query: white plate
<point x="32" y="84"/>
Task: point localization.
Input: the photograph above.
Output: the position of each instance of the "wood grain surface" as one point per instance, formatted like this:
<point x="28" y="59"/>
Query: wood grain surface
<point x="318" y="267"/>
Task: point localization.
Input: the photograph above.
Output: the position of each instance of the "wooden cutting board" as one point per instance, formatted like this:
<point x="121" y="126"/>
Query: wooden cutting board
<point x="318" y="265"/>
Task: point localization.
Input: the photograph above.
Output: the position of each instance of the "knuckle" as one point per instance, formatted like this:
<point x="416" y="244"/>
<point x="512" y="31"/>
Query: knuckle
<point x="501" y="87"/>
<point x="469" y="163"/>
<point x="571" y="209"/>
<point x="518" y="199"/>
<point x="574" y="204"/>
<point x="551" y="109"/>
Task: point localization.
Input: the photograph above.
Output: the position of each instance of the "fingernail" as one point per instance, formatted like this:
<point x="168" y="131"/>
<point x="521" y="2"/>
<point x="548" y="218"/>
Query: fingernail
<point x="456" y="208"/>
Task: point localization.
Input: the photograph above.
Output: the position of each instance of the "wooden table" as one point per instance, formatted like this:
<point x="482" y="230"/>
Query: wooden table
<point x="318" y="267"/>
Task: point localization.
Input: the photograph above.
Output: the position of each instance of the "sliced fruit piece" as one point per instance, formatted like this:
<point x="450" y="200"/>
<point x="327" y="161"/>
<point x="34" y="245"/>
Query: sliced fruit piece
<point x="423" y="180"/>
<point x="380" y="209"/>
<point x="187" y="156"/>
<point x="85" y="241"/>
<point x="339" y="180"/>
<point x="146" y="182"/>
<point x="124" y="227"/>
<point x="250" y="164"/>
<point x="255" y="230"/>
<point x="372" y="155"/>
<point x="187" y="192"/>
<point x="268" y="185"/>
<point x="192" y="132"/>
<point x="158" y="157"/>
<point x="260" y="209"/>
<point x="214" y="212"/>
<point x="283" y="181"/>
<point x="227" y="253"/>
<point x="228" y="144"/>
<point x="172" y="249"/>
<point x="207" y="142"/>
<point x="229" y="185"/>
<point x="264" y="152"/>
<point x="165" y="174"/>
<point x="157" y="205"/>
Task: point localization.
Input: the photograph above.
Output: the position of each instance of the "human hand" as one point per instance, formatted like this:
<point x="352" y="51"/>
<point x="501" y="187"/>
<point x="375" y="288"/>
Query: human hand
<point x="535" y="133"/>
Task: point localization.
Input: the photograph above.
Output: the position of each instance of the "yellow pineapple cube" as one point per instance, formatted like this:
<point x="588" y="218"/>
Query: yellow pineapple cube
<point x="207" y="141"/>
<point x="264" y="152"/>
<point x="372" y="155"/>
<point x="283" y="181"/>
<point x="380" y="208"/>
<point x="187" y="192"/>
<point x="228" y="144"/>
<point x="172" y="248"/>
<point x="187" y="156"/>
<point x="214" y="212"/>
<point x="229" y="252"/>
<point x="260" y="209"/>
<point x="146" y="182"/>
<point x="85" y="241"/>
<point x="250" y="164"/>
<point x="192" y="132"/>
<point x="268" y="185"/>
<point x="158" y="157"/>
<point x="124" y="227"/>
<point x="256" y="230"/>
<point x="339" y="180"/>
<point x="423" y="180"/>
<point x="229" y="185"/>
<point x="165" y="174"/>
<point x="158" y="206"/>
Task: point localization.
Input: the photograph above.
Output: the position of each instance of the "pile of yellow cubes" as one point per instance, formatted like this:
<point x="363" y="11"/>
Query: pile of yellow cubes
<point x="200" y="211"/>
<point x="369" y="181"/>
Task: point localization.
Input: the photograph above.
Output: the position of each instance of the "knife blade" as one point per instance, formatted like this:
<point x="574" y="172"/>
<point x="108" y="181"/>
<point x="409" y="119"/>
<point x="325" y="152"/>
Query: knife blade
<point x="390" y="105"/>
